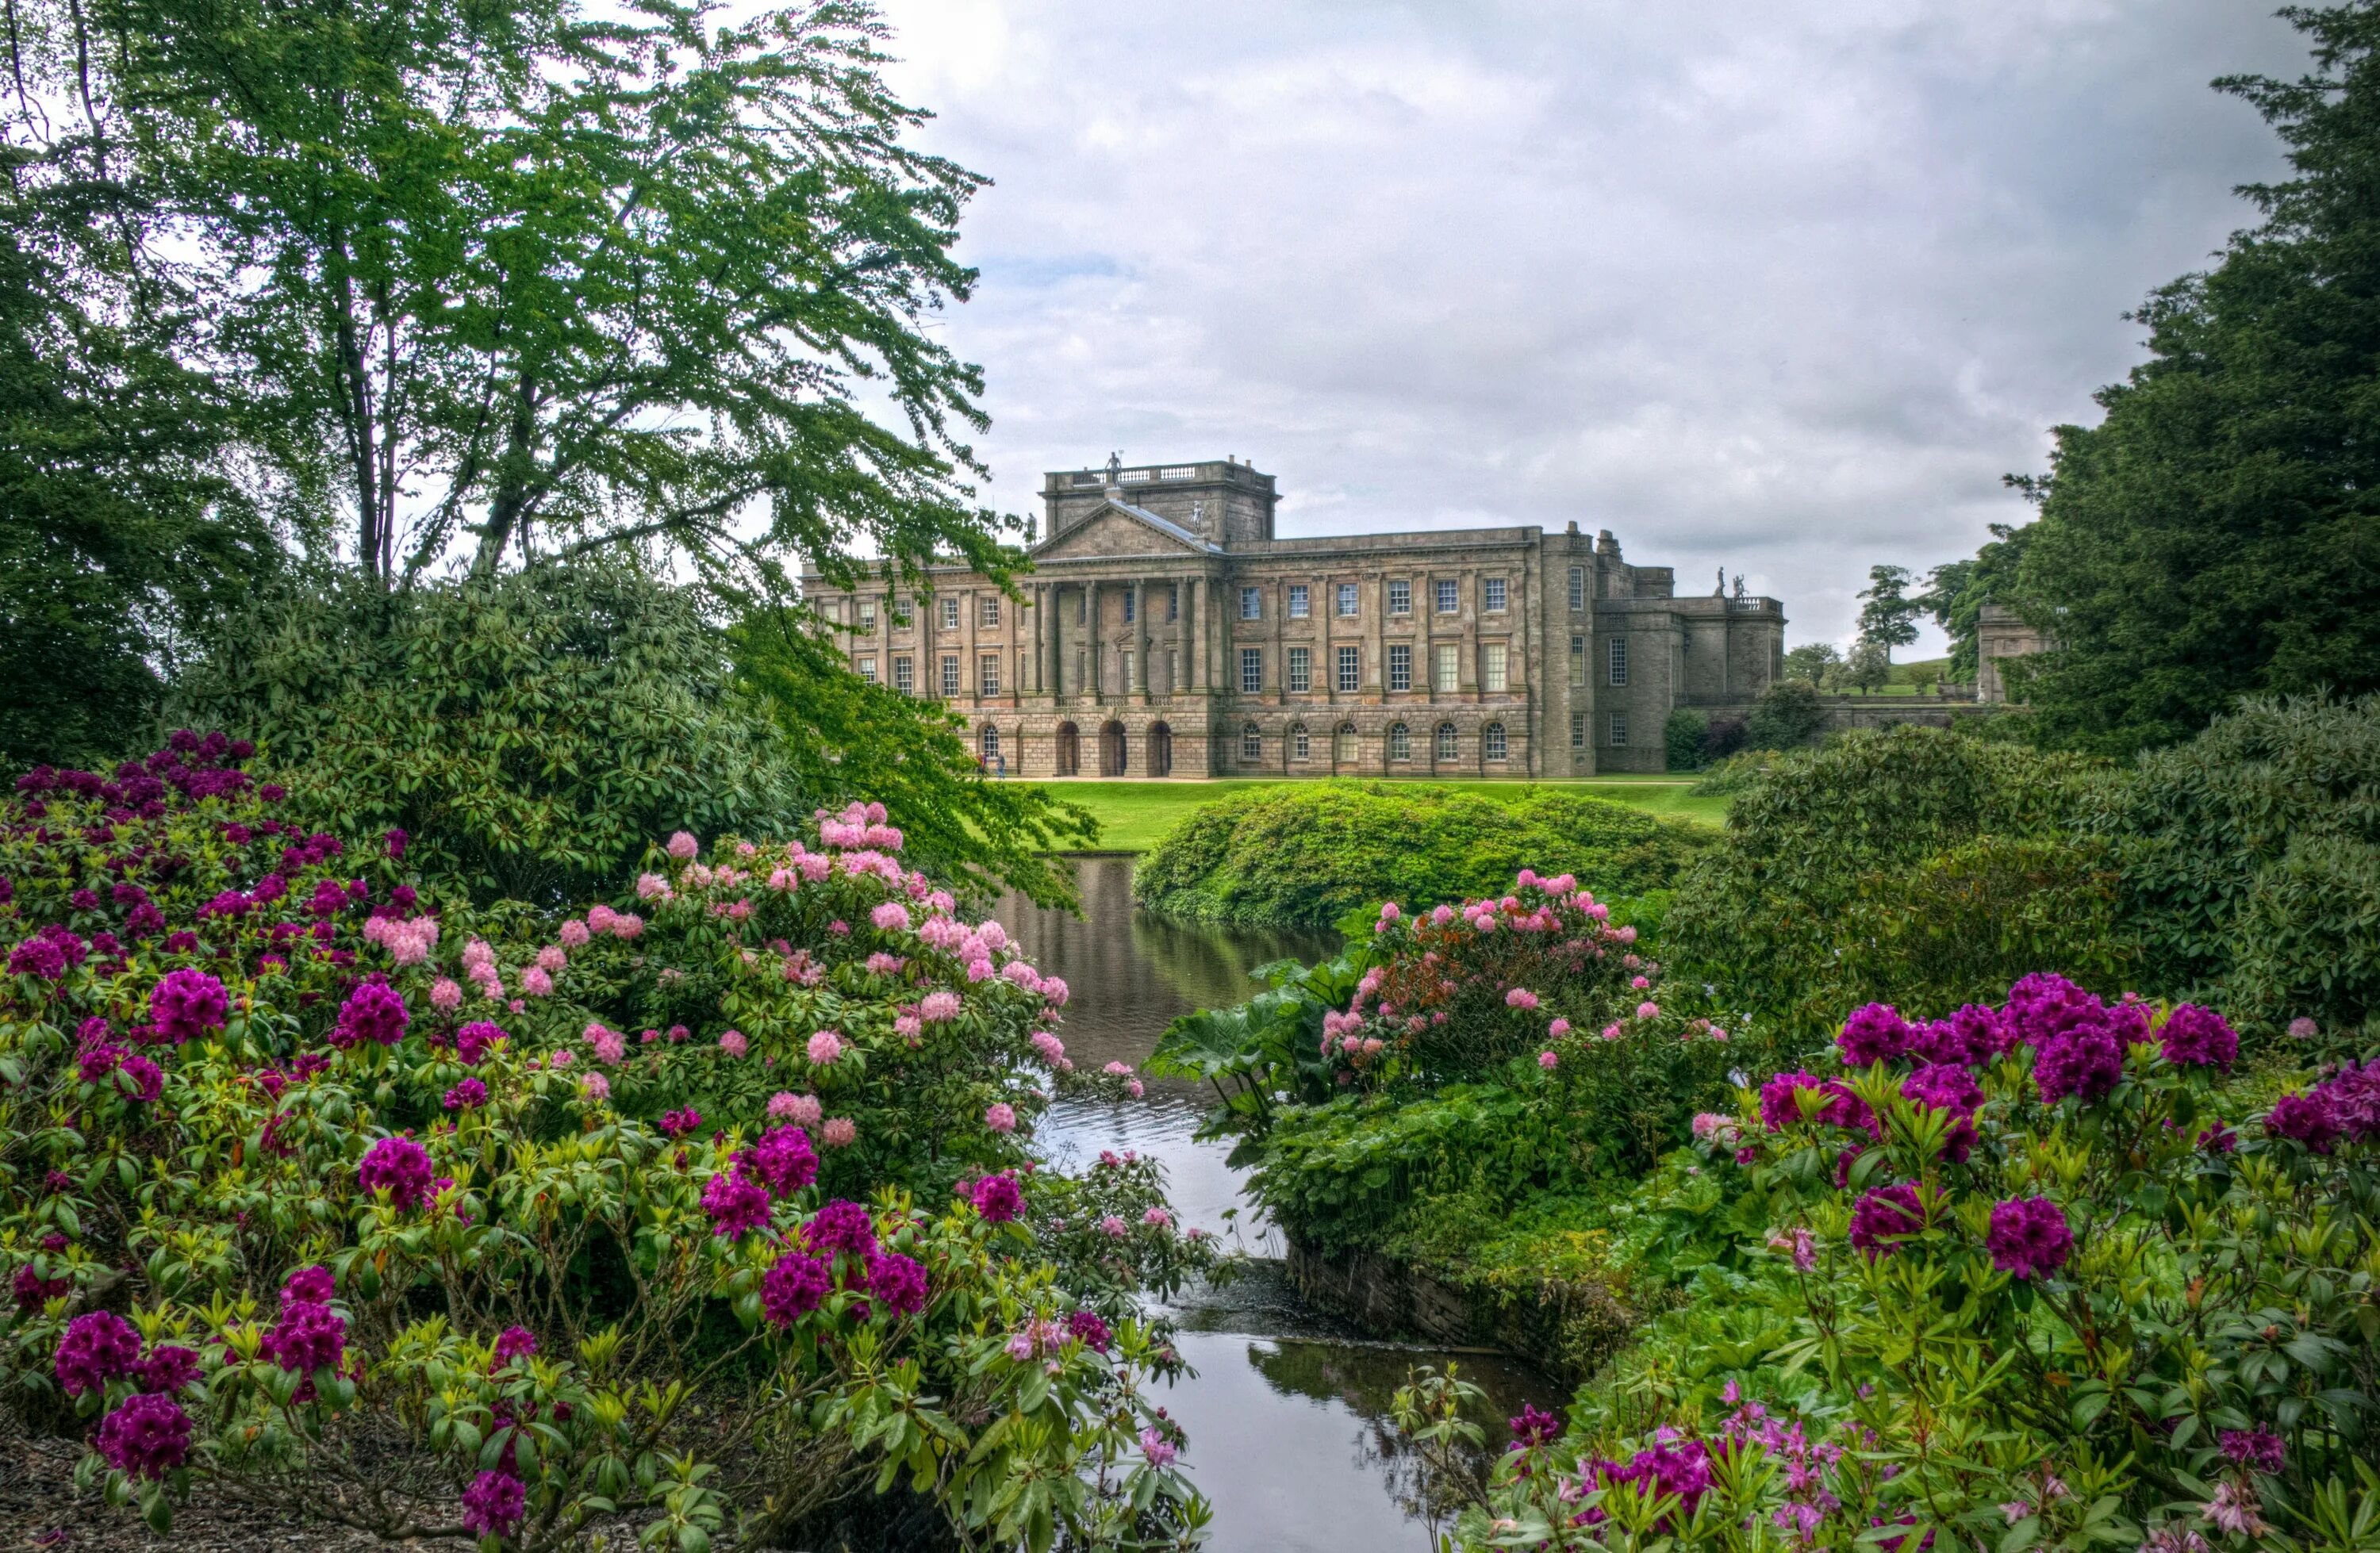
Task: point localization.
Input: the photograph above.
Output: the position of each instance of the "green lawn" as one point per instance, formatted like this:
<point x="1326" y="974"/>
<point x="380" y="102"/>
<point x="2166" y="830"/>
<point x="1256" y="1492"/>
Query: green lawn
<point x="1133" y="815"/>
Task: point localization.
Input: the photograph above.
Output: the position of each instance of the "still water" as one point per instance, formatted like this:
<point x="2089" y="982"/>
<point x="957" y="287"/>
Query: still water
<point x="1288" y="1412"/>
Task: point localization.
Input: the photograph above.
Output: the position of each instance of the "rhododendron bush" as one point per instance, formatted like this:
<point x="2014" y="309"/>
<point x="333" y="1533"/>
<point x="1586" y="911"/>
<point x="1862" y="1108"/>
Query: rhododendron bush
<point x="698" y="1210"/>
<point x="1511" y="1059"/>
<point x="2043" y="1280"/>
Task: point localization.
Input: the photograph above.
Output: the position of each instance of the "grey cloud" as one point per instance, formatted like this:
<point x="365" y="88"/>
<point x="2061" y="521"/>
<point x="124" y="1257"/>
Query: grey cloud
<point x="1782" y="287"/>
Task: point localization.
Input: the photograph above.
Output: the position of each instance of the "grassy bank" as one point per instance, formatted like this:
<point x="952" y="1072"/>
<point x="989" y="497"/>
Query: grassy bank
<point x="1133" y="815"/>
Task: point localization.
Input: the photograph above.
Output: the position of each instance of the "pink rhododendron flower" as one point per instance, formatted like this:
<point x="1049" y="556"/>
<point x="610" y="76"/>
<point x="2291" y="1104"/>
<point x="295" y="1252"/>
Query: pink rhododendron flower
<point x="733" y="1043"/>
<point x="682" y="846"/>
<point x="1055" y="992"/>
<point x="446" y="996"/>
<point x="890" y="917"/>
<point x="1113" y="1227"/>
<point x="1648" y="1010"/>
<point x="801" y="1110"/>
<point x="824" y="1047"/>
<point x="1558" y="1029"/>
<point x="938" y="1008"/>
<point x="1548" y="1060"/>
<point x="1157" y="1218"/>
<point x="609" y="1043"/>
<point x="1001" y="1117"/>
<point x="574" y="934"/>
<point x="1520" y="998"/>
<point x="1051" y="1049"/>
<point x="840" y="1132"/>
<point x="535" y="983"/>
<point x="595" y="1086"/>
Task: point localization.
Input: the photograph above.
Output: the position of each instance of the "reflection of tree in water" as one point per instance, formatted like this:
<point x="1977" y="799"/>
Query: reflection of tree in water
<point x="1365" y="1379"/>
<point x="1133" y="974"/>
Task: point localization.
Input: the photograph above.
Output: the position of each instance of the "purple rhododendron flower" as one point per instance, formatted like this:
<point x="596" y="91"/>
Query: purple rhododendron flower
<point x="841" y="1225"/>
<point x="783" y="1160"/>
<point x="2196" y="1036"/>
<point x="401" y="1167"/>
<point x="2259" y="1449"/>
<point x="1954" y="1089"/>
<point x="472" y="1041"/>
<point x="1780" y="1107"/>
<point x="168" y="1368"/>
<point x="1534" y="1428"/>
<point x="147" y="1438"/>
<point x="1884" y="1215"/>
<point x="469" y="1095"/>
<point x="1093" y="1332"/>
<point x="186" y="1004"/>
<point x="97" y="1347"/>
<point x="2305" y="1118"/>
<point x="373" y="1012"/>
<point x="1970" y="1037"/>
<point x="493" y="1504"/>
<point x="1682" y="1469"/>
<point x="2029" y="1237"/>
<point x="996" y="1199"/>
<point x="309" y="1336"/>
<point x="313" y="1285"/>
<point x="515" y="1343"/>
<point x="736" y="1206"/>
<point x="795" y="1285"/>
<point x="897" y="1280"/>
<point x="1874" y="1033"/>
<point x="2086" y="1062"/>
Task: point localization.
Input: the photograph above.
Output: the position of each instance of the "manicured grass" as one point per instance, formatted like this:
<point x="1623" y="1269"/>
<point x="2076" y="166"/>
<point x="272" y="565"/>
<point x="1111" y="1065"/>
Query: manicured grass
<point x="1133" y="815"/>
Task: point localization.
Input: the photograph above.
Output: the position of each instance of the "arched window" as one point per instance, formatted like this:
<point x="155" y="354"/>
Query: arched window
<point x="1400" y="741"/>
<point x="1491" y="742"/>
<point x="1342" y="749"/>
<point x="1301" y="743"/>
<point x="1446" y="750"/>
<point x="1251" y="743"/>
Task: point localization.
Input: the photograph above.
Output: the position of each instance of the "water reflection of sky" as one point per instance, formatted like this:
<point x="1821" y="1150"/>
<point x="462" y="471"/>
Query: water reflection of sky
<point x="1288" y="1413"/>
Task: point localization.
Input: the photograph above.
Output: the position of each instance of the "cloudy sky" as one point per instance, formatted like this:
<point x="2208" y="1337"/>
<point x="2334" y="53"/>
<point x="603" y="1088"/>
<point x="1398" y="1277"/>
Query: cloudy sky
<point x="1780" y="287"/>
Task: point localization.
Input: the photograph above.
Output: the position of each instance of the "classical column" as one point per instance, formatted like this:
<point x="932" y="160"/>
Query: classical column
<point x="1190" y="676"/>
<point x="1094" y="636"/>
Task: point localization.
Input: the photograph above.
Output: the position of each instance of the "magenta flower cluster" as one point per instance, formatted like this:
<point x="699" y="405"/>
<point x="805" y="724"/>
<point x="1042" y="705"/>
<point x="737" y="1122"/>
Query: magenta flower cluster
<point x="146" y="1438"/>
<point x="2343" y="1106"/>
<point x="97" y="1347"/>
<point x="996" y="1199"/>
<point x="2029" y="1237"/>
<point x="401" y="1167"/>
<point x="1885" y="1217"/>
<point x="186" y="1004"/>
<point x="375" y="1012"/>
<point x="494" y="1504"/>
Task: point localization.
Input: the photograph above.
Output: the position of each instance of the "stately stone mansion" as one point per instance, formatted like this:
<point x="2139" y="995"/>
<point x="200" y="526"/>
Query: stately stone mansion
<point x="1165" y="631"/>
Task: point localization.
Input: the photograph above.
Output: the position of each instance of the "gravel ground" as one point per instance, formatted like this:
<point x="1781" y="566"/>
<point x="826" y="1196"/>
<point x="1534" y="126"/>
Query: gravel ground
<point x="40" y="1508"/>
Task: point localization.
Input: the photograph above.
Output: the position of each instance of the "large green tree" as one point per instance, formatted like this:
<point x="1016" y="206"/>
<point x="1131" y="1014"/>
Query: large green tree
<point x="528" y="278"/>
<point x="2218" y="532"/>
<point x="120" y="539"/>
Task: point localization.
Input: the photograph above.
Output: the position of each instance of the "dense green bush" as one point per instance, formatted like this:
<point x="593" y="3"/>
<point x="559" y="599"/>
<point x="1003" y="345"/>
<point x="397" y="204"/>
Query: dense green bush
<point x="1305" y="854"/>
<point x="1684" y="739"/>
<point x="2251" y="861"/>
<point x="1898" y="862"/>
<point x="530" y="730"/>
<point x="2029" y="1275"/>
<point x="321" y="1192"/>
<point x="1787" y="716"/>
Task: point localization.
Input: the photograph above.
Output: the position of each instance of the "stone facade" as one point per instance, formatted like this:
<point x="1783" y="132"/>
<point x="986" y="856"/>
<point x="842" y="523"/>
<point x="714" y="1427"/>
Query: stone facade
<point x="1165" y="631"/>
<point x="2000" y="634"/>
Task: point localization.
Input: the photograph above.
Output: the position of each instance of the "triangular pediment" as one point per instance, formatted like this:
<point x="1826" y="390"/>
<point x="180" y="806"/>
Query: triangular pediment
<point x="1121" y="528"/>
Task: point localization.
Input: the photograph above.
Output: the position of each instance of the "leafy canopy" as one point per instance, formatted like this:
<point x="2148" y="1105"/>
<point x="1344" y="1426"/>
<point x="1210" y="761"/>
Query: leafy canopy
<point x="2218" y="532"/>
<point x="540" y="277"/>
<point x="847" y="738"/>
<point x="530" y="730"/>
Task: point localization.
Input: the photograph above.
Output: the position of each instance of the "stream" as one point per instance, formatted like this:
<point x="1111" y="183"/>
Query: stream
<point x="1287" y="1413"/>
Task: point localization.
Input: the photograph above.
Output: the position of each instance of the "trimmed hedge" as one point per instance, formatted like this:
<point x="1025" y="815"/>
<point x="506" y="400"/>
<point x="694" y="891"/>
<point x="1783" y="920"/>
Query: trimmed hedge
<point x="1308" y="854"/>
